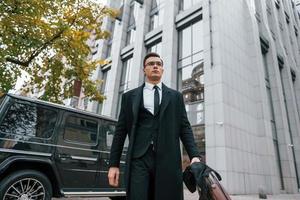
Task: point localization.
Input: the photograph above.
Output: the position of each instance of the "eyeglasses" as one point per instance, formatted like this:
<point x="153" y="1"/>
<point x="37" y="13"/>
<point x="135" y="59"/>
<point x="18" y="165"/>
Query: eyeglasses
<point x="152" y="63"/>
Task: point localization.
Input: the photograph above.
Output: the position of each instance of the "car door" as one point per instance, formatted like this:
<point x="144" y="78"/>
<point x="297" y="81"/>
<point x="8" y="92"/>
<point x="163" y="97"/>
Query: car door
<point x="77" y="154"/>
<point x="105" y="140"/>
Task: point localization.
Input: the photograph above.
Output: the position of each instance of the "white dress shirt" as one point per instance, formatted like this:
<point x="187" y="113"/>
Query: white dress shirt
<point x="148" y="95"/>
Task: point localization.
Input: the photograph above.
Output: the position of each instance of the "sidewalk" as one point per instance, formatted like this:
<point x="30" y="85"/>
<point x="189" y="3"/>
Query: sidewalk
<point x="194" y="196"/>
<point x="277" y="197"/>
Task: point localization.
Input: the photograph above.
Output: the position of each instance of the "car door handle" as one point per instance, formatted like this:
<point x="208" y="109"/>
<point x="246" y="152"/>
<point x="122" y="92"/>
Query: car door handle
<point x="84" y="158"/>
<point x="64" y="156"/>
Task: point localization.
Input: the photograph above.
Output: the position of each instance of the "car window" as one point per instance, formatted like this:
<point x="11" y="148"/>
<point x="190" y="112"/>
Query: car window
<point x="108" y="135"/>
<point x="109" y="131"/>
<point x="80" y="130"/>
<point x="29" y="120"/>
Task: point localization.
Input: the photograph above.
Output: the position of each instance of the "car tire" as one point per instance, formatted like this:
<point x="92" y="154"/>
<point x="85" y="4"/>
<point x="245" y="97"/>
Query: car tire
<point x="26" y="184"/>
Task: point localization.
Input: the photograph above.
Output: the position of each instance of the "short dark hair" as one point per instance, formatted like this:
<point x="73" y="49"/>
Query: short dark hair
<point x="152" y="54"/>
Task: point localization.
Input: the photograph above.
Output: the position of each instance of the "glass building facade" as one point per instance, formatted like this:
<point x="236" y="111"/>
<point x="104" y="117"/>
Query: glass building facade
<point x="191" y="80"/>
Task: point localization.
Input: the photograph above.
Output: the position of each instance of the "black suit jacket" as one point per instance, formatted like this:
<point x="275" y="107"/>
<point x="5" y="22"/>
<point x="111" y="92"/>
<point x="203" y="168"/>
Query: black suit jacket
<point x="173" y="127"/>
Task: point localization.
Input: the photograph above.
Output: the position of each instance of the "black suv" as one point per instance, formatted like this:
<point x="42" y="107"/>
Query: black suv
<point x="48" y="150"/>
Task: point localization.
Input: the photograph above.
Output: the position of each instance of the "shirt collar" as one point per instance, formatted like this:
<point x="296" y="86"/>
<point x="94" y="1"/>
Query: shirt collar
<point x="150" y="85"/>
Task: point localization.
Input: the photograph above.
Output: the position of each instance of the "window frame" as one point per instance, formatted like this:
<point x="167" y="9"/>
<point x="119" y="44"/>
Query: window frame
<point x="124" y="84"/>
<point x="158" y="46"/>
<point x="197" y="100"/>
<point x="131" y="27"/>
<point x="157" y="10"/>
<point x="102" y="89"/>
<point x="192" y="54"/>
<point x="192" y="3"/>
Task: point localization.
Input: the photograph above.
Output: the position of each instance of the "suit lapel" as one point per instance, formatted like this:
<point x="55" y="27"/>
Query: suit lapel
<point x="136" y="100"/>
<point x="164" y="101"/>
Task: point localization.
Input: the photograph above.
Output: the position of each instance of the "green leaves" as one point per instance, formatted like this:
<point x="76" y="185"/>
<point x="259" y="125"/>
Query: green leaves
<point x="48" y="40"/>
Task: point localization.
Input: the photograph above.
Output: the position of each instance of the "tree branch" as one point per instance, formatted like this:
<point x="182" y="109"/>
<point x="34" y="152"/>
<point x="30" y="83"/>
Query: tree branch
<point x="49" y="42"/>
<point x="38" y="50"/>
<point x="44" y="46"/>
<point x="16" y="61"/>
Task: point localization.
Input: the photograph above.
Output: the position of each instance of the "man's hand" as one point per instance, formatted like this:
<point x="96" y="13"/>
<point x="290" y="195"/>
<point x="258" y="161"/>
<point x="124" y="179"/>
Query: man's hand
<point x="195" y="159"/>
<point x="113" y="176"/>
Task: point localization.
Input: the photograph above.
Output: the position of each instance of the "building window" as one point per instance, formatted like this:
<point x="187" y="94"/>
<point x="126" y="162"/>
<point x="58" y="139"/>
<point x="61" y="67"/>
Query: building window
<point x="125" y="80"/>
<point x="104" y="79"/>
<point x="126" y="75"/>
<point x="131" y="29"/>
<point x="186" y="4"/>
<point x="293" y="74"/>
<point x="191" y="81"/>
<point x="156" y="14"/>
<point x="85" y="102"/>
<point x="298" y="9"/>
<point x="266" y="71"/>
<point x="283" y="83"/>
<point x="272" y="113"/>
<point x="103" y="88"/>
<point x="109" y="42"/>
<point x="190" y="63"/>
<point x="191" y="87"/>
<point x="112" y="28"/>
<point x="108" y="49"/>
<point x="190" y="45"/>
<point x="155" y="48"/>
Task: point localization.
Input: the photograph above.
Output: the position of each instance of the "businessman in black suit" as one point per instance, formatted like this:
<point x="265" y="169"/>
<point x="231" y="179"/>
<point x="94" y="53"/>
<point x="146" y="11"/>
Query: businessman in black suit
<point x="154" y="118"/>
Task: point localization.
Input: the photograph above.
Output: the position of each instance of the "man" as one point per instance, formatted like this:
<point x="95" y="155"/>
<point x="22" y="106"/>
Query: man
<point x="154" y="118"/>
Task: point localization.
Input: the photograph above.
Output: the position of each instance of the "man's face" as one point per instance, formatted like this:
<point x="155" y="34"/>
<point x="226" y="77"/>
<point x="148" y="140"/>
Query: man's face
<point x="153" y="69"/>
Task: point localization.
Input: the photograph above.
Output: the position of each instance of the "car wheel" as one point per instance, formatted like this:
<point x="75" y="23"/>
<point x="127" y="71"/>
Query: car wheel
<point x="26" y="184"/>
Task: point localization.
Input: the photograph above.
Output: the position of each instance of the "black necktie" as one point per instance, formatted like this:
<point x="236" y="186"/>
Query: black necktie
<point x="156" y="100"/>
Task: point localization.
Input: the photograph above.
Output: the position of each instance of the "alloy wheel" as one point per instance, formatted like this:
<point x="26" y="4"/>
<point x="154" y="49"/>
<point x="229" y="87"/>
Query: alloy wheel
<point x="25" y="189"/>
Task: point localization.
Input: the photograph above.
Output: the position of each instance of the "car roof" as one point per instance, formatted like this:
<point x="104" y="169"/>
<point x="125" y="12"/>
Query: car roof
<point x="63" y="107"/>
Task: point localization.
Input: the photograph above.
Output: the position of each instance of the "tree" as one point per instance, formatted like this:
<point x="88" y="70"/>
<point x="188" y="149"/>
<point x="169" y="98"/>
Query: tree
<point x="47" y="39"/>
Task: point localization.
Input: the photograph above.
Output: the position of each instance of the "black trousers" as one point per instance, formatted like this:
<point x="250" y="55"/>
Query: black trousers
<point x="142" y="176"/>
